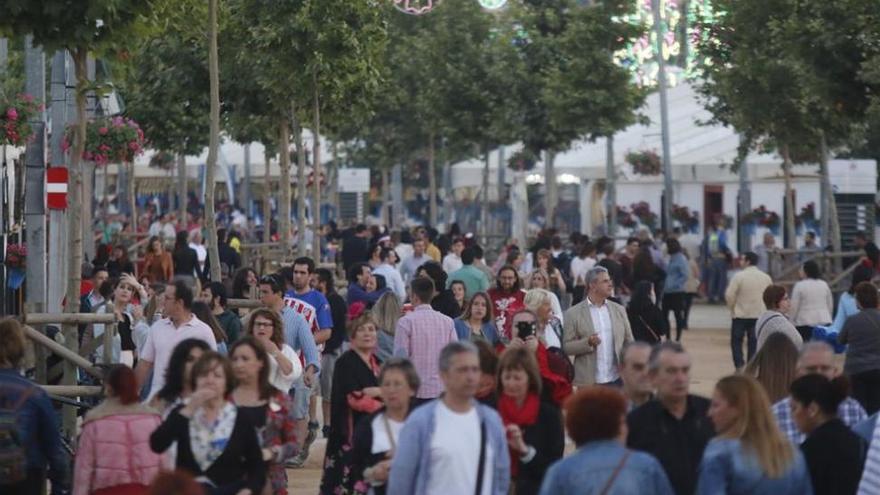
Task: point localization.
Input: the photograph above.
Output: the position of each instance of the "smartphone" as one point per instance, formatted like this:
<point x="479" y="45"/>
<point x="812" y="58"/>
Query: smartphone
<point x="525" y="329"/>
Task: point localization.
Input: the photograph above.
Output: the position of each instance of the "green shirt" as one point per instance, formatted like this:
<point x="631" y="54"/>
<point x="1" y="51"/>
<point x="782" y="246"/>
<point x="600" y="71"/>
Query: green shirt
<point x="474" y="279"/>
<point x="231" y="324"/>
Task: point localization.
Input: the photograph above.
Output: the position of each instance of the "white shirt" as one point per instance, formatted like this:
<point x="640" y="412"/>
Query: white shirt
<point x="278" y="379"/>
<point x="393" y="280"/>
<point x="579" y="269"/>
<point x="162" y="340"/>
<point x="455" y="453"/>
<point x="452" y="262"/>
<point x="381" y="441"/>
<point x="201" y="253"/>
<point x="606" y="367"/>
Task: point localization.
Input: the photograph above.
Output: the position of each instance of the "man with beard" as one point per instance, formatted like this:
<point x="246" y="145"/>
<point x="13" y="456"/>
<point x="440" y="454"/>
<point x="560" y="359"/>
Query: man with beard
<point x="507" y="298"/>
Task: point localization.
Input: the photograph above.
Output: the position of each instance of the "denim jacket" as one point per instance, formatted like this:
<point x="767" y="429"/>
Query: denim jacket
<point x="411" y="467"/>
<point x="463" y="330"/>
<point x="676" y="274"/>
<point x="37" y="425"/>
<point x="589" y="469"/>
<point x="727" y="469"/>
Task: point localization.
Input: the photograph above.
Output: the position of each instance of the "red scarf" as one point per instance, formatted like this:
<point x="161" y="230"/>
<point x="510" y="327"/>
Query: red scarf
<point x="523" y="416"/>
<point x="560" y="388"/>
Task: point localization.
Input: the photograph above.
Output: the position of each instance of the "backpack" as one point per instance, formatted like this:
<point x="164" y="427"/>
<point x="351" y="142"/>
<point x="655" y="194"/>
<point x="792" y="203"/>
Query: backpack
<point x="13" y="457"/>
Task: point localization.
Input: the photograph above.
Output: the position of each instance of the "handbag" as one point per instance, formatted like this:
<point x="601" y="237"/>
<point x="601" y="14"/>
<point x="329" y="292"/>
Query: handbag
<point x="651" y="330"/>
<point x="616" y="472"/>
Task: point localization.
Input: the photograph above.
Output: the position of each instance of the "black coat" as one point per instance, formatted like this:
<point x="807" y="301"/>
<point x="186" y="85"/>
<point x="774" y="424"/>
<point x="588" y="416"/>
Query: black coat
<point x="445" y="303"/>
<point x="548" y="439"/>
<point x="350" y="374"/>
<point x="835" y="458"/>
<point x="641" y="319"/>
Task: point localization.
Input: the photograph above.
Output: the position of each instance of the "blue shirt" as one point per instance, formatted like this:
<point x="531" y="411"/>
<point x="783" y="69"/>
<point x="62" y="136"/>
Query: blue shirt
<point x="727" y="468"/>
<point x="590" y="468"/>
<point x="846" y="307"/>
<point x="356" y="293"/>
<point x="316" y="300"/>
<point x="299" y="336"/>
<point x="463" y="330"/>
<point x="676" y="274"/>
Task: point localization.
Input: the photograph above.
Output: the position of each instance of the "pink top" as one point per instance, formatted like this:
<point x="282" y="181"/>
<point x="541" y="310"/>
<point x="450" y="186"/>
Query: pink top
<point x="420" y="336"/>
<point x="162" y="340"/>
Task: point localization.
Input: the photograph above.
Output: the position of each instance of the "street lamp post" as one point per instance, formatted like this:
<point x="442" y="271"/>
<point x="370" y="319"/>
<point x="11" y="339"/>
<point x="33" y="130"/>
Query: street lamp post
<point x="664" y="115"/>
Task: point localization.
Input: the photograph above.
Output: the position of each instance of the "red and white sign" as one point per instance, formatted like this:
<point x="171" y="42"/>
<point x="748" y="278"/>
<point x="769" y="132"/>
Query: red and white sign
<point x="56" y="188"/>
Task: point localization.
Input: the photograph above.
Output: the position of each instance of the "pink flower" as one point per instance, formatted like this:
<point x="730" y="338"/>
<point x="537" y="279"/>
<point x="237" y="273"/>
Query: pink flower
<point x="104" y="147"/>
<point x="12" y="114"/>
<point x="133" y="146"/>
<point x="103" y="131"/>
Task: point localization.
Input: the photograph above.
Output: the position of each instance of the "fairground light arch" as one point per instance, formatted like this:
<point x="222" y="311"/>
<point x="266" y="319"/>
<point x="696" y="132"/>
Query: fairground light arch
<point x="421" y="7"/>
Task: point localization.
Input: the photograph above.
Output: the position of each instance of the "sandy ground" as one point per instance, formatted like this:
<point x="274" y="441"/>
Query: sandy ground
<point x="708" y="343"/>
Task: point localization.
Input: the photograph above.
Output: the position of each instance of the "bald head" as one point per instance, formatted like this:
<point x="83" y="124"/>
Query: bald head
<point x="817" y="357"/>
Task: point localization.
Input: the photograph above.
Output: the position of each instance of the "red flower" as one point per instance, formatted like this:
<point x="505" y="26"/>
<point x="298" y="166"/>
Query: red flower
<point x="12" y="114"/>
<point x="103" y="131"/>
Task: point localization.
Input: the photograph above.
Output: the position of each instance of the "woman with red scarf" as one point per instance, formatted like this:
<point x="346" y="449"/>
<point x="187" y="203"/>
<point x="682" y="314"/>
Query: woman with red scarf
<point x="534" y="427"/>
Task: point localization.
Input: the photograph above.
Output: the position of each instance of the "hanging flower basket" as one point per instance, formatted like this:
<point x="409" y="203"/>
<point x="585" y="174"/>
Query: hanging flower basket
<point x="645" y="162"/>
<point x="522" y="160"/>
<point x="15" y="117"/>
<point x="111" y="140"/>
<point x="807" y="218"/>
<point x="688" y="220"/>
<point x="16" y="256"/>
<point x="625" y="218"/>
<point x="642" y="211"/>
<point x="762" y="217"/>
<point x="162" y="160"/>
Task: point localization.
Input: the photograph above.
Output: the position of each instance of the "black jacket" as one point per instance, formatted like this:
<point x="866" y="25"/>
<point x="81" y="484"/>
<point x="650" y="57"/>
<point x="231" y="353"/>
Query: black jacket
<point x="186" y="262"/>
<point x="354" y="250"/>
<point x="677" y="443"/>
<point x="835" y="458"/>
<point x="338" y="310"/>
<point x="445" y="303"/>
<point x="548" y="439"/>
<point x="641" y="319"/>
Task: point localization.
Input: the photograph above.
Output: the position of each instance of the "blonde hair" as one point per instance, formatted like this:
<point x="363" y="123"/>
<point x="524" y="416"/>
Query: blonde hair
<point x="366" y="318"/>
<point x="755" y="426"/>
<point x="386" y="312"/>
<point x="536" y="297"/>
<point x="538" y="271"/>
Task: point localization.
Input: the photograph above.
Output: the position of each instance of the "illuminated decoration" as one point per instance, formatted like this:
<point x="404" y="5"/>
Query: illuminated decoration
<point x="492" y="4"/>
<point x="681" y="34"/>
<point x="415" y="7"/>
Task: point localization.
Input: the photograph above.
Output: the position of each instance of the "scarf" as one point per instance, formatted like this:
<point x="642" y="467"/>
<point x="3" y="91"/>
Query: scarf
<point x="511" y="414"/>
<point x="208" y="439"/>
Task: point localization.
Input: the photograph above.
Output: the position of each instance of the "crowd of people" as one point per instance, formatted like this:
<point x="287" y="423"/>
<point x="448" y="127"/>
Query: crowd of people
<point x="430" y="371"/>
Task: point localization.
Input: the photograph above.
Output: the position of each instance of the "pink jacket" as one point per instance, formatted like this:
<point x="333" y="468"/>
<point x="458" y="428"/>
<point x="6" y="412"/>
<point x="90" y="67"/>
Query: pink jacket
<point x="114" y="448"/>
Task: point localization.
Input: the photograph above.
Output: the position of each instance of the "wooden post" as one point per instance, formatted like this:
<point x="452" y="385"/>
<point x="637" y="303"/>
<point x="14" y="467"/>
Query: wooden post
<point x="62" y="351"/>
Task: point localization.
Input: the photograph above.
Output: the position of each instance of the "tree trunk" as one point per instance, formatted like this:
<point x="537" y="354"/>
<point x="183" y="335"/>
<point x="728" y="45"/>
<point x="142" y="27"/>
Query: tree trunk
<point x="181" y="187"/>
<point x="214" y="143"/>
<point x="267" y="194"/>
<point x="74" y="213"/>
<point x="831" y="232"/>
<point x="284" y="184"/>
<point x="300" y="185"/>
<point x="550" y="200"/>
<point x="788" y="221"/>
<point x="432" y="182"/>
<point x="132" y="195"/>
<point x="316" y="171"/>
<point x="484" y="202"/>
<point x="385" y="194"/>
<point x="333" y="178"/>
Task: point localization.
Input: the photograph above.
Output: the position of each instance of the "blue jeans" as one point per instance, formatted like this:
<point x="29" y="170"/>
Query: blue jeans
<point x="716" y="282"/>
<point x="742" y="328"/>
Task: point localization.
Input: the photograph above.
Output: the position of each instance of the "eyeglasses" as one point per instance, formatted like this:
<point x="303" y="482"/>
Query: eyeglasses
<point x="264" y="324"/>
<point x="269" y="279"/>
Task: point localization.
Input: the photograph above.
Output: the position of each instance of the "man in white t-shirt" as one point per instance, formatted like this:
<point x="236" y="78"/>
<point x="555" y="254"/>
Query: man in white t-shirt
<point x="179" y="324"/>
<point x="444" y="442"/>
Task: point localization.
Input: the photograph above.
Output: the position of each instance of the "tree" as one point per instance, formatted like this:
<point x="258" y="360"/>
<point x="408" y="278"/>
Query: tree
<point x="214" y="143"/>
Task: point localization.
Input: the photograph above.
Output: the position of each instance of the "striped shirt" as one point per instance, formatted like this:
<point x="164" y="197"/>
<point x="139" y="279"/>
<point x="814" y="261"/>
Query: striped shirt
<point x="849" y="411"/>
<point x="420" y="336"/>
<point x="298" y="336"/>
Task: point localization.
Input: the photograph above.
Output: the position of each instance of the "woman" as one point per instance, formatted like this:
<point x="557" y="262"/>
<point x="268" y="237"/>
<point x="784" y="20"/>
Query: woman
<point x="539" y="279"/>
<point x="811" y="301"/>
<point x="534" y="427"/>
<point x="515" y="258"/>
<point x="214" y="442"/>
<point x="476" y="323"/>
<point x="284" y="364"/>
<point x="113" y="456"/>
<point x="556" y="281"/>
<point x="178" y="375"/>
<point x="375" y="437"/>
<point x="244" y="284"/>
<point x="774" y="366"/>
<point x="846" y="305"/>
<point x="644" y="268"/>
<point x="647" y="321"/>
<point x="774" y="320"/>
<point x="674" y="286"/>
<point x="595" y="419"/>
<point x="31" y="422"/>
<point x="205" y="315"/>
<point x="375" y="252"/>
<point x="119" y="263"/>
<point x="835" y="455"/>
<point x="157" y="262"/>
<point x="355" y="394"/>
<point x="186" y="261"/>
<point x="555" y="368"/>
<point x="387" y="311"/>
<point x="580" y="265"/>
<point x="540" y="301"/>
<point x="269" y="409"/>
<point x="863" y="351"/>
<point x="488" y="384"/>
<point x="750" y="455"/>
<point x="459" y="293"/>
<point x="123" y="344"/>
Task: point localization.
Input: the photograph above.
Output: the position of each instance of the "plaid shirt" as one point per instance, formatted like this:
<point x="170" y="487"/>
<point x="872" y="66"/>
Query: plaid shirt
<point x="849" y="411"/>
<point x="420" y="336"/>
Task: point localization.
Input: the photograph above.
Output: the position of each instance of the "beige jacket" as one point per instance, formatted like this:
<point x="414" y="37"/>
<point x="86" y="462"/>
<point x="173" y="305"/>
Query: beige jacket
<point x="579" y="327"/>
<point x="745" y="293"/>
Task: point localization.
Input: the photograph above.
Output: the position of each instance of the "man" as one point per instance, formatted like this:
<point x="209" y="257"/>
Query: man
<point x="507" y="298"/>
<point x="307" y="301"/>
<point x="333" y="345"/>
<point x="452" y="261"/>
<point x="420" y="336"/>
<point x="445" y="443"/>
<point x="355" y="247"/>
<point x="769" y="260"/>
<point x="430" y="249"/>
<point x="714" y="255"/>
<point x="392" y="277"/>
<point x="745" y="298"/>
<point x="595" y="331"/>
<point x="90" y="302"/>
<point x="860" y="332"/>
<point x="298" y="335"/>
<point x="473" y="278"/>
<point x="673" y="427"/>
<point x="816" y="357"/>
<point x="637" y="386"/>
<point x="480" y="263"/>
<point x="359" y="276"/>
<point x="179" y="324"/>
<point x="214" y="295"/>
<point x="410" y="265"/>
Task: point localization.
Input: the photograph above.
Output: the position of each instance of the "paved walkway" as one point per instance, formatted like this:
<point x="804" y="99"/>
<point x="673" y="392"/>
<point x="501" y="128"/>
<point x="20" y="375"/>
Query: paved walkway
<point x="708" y="343"/>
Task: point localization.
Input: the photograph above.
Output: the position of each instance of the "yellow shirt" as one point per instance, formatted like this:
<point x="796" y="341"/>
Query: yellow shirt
<point x="745" y="293"/>
<point x="433" y="251"/>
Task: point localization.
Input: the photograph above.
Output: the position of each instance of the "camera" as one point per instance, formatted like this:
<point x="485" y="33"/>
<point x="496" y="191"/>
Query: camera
<point x="525" y="329"/>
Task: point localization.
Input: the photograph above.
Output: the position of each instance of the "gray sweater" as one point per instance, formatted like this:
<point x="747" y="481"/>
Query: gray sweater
<point x="862" y="333"/>
<point x="772" y="322"/>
